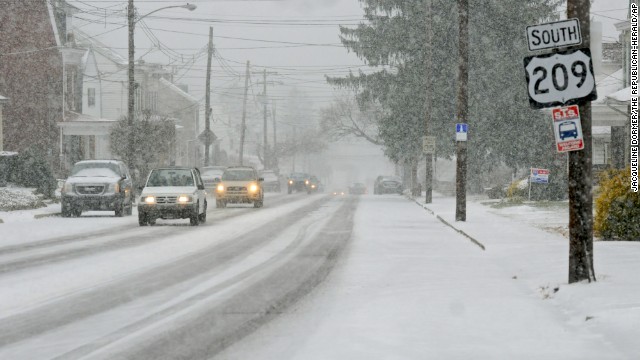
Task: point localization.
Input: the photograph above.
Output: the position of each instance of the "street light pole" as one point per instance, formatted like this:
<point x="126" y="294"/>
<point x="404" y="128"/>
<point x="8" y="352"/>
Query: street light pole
<point x="131" y="12"/>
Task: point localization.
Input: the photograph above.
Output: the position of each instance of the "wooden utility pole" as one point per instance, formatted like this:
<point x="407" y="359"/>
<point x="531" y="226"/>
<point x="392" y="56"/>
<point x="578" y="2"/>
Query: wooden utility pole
<point x="580" y="175"/>
<point x="275" y="142"/>
<point x="130" y="157"/>
<point x="428" y="181"/>
<point x="244" y="113"/>
<point x="265" y="146"/>
<point x="207" y="111"/>
<point x="462" y="111"/>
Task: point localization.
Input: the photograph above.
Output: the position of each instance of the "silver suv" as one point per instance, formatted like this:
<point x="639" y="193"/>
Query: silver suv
<point x="98" y="185"/>
<point x="240" y="184"/>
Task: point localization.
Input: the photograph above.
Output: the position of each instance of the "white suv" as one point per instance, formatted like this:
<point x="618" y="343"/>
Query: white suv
<point x="173" y="193"/>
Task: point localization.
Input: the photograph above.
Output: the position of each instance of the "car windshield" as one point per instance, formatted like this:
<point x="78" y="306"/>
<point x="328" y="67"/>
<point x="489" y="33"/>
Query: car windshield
<point x="170" y="177"/>
<point x="99" y="169"/>
<point x="238" y="174"/>
<point x="212" y="172"/>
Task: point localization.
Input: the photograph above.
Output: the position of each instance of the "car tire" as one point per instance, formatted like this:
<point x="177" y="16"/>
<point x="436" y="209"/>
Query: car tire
<point x="258" y="203"/>
<point x="142" y="219"/>
<point x="203" y="217"/>
<point x="66" y="212"/>
<point x="220" y="204"/>
<point x="129" y="209"/>
<point x="194" y="219"/>
<point x="289" y="190"/>
<point x="76" y="212"/>
<point x="119" y="211"/>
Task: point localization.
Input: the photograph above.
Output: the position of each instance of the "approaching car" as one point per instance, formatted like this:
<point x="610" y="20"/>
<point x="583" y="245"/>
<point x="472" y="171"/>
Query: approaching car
<point x="98" y="185"/>
<point x="173" y="193"/>
<point x="298" y="182"/>
<point x="271" y="181"/>
<point x="240" y="185"/>
<point x="357" y="189"/>
<point x="211" y="176"/>
<point x="387" y="185"/>
<point x="313" y="185"/>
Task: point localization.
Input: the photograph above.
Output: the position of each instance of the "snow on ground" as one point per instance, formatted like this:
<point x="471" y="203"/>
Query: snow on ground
<point x="412" y="288"/>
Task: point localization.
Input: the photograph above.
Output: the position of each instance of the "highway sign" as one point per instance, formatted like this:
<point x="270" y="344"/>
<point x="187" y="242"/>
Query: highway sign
<point x="554" y="34"/>
<point x="461" y="131"/>
<point x="540" y="176"/>
<point x="429" y="144"/>
<point x="566" y="126"/>
<point x="560" y="78"/>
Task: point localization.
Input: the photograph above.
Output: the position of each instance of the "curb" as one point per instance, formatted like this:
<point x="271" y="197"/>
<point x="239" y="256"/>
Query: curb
<point x="478" y="243"/>
<point x="41" y="216"/>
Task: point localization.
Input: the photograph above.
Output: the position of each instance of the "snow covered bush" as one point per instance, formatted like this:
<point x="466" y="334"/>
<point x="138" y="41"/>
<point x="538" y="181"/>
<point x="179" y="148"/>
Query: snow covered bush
<point x="617" y="207"/>
<point x="33" y="171"/>
<point x="18" y="199"/>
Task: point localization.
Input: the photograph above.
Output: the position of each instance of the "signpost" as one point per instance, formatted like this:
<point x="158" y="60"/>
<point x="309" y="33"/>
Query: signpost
<point x="538" y="176"/>
<point x="560" y="78"/>
<point x="554" y="34"/>
<point x="428" y="145"/>
<point x="567" y="128"/>
<point x="461" y="131"/>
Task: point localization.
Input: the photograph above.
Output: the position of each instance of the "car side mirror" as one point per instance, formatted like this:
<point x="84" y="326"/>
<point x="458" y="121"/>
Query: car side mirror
<point x="216" y="179"/>
<point x="140" y="187"/>
<point x="261" y="179"/>
<point x="200" y="187"/>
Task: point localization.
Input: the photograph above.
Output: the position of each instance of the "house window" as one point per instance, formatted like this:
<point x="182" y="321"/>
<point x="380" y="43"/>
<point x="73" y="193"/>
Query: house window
<point x="91" y="97"/>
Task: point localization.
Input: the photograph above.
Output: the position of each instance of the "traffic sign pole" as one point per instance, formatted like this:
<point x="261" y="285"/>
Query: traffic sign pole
<point x="580" y="176"/>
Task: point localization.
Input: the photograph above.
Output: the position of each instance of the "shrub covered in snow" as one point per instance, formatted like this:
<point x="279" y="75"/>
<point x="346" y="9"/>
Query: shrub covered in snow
<point x="18" y="199"/>
<point x="32" y="170"/>
<point x="617" y="207"/>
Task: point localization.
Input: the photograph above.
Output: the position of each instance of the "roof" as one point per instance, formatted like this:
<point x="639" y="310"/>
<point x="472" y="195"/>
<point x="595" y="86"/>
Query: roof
<point x="623" y="95"/>
<point x="3" y="99"/>
<point x="71" y="116"/>
<point x="609" y="85"/>
<point x="178" y="91"/>
<point x="85" y="39"/>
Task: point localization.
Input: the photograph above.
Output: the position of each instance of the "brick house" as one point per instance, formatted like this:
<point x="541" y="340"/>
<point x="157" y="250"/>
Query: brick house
<point x="31" y="75"/>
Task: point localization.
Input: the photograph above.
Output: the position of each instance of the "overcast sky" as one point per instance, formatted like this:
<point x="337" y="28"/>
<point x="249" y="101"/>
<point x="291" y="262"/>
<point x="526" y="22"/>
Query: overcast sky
<point x="297" y="40"/>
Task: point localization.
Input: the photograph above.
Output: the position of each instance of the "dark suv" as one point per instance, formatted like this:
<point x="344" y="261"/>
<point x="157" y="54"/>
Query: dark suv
<point x="98" y="185"/>
<point x="298" y="182"/>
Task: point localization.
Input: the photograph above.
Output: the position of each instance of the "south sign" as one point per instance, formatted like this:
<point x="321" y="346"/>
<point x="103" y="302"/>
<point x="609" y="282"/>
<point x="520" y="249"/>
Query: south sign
<point x="554" y="35"/>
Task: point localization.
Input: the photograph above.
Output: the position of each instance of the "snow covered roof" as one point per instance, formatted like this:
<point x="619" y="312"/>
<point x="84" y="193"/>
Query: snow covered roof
<point x="71" y="116"/>
<point x="609" y="85"/>
<point x="178" y="91"/>
<point x="623" y="95"/>
<point x="3" y="99"/>
<point x="86" y="40"/>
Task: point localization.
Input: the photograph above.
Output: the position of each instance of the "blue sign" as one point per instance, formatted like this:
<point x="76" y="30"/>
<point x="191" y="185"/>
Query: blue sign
<point x="462" y="128"/>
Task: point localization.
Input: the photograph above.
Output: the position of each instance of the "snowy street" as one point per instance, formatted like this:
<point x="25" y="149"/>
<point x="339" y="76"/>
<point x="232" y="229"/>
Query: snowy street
<point x="320" y="277"/>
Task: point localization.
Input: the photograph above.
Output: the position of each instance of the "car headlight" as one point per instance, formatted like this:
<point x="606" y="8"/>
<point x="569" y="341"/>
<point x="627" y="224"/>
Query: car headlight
<point x="306" y="182"/>
<point x="253" y="188"/>
<point x="67" y="187"/>
<point x="149" y="200"/>
<point x="290" y="182"/>
<point x="184" y="199"/>
<point x="113" y="188"/>
<point x="313" y="186"/>
<point x="220" y="188"/>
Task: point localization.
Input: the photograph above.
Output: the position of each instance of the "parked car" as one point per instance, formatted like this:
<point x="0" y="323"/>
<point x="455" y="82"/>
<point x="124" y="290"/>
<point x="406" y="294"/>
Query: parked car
<point x="297" y="181"/>
<point x="271" y="181"/>
<point x="387" y="185"/>
<point x="173" y="193"/>
<point x="211" y="176"/>
<point x="240" y="185"/>
<point x="357" y="189"/>
<point x="98" y="185"/>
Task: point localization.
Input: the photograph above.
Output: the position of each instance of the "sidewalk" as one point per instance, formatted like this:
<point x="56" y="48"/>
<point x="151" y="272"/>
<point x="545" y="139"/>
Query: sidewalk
<point x="410" y="287"/>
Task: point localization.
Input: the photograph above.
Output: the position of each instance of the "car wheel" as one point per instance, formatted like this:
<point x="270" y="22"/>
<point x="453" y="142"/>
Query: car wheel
<point x="220" y="204"/>
<point x="194" y="218"/>
<point x="142" y="219"/>
<point x="203" y="217"/>
<point x="289" y="190"/>
<point x="66" y="212"/>
<point x="152" y="221"/>
<point x="120" y="210"/>
<point x="77" y="212"/>
<point x="129" y="210"/>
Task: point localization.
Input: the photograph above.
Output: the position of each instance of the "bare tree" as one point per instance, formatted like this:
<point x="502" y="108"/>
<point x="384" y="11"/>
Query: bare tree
<point x="345" y="118"/>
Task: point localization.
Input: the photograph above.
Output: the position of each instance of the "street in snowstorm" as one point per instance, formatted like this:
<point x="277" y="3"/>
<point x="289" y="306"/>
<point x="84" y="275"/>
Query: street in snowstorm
<point x="319" y="180"/>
